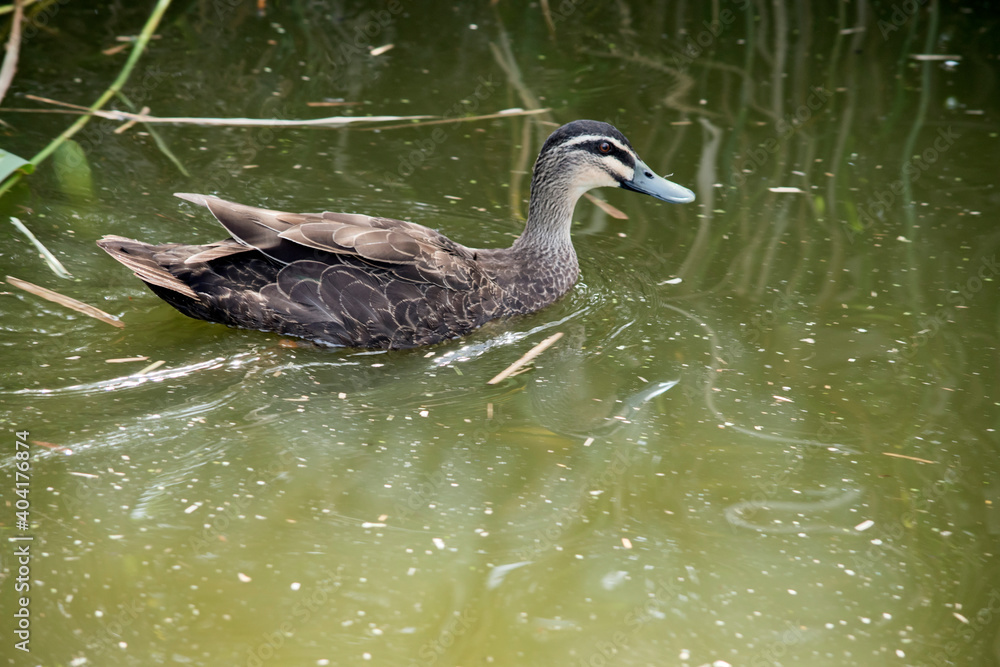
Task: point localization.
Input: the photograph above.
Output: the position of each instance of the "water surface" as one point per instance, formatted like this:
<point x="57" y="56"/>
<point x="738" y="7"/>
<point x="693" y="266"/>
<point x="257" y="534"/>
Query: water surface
<point x="766" y="437"/>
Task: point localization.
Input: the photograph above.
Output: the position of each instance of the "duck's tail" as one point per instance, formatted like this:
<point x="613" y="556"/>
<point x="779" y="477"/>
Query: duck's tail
<point x="189" y="279"/>
<point x="140" y="257"/>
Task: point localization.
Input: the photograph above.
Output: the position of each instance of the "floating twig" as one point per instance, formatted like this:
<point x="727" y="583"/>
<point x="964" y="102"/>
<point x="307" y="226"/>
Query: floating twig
<point x="507" y="113"/>
<point x="908" y="458"/>
<point x="332" y="103"/>
<point x="49" y="258"/>
<point x="13" y="49"/>
<point x="528" y="356"/>
<point x="66" y="301"/>
<point x="152" y="367"/>
<point x="126" y="116"/>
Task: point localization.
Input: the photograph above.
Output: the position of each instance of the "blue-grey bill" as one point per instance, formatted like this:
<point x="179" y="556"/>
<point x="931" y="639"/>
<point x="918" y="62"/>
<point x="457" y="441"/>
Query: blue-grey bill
<point x="648" y="183"/>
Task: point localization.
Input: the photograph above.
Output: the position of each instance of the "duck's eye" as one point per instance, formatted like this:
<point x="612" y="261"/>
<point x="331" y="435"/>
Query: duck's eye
<point x="604" y="147"/>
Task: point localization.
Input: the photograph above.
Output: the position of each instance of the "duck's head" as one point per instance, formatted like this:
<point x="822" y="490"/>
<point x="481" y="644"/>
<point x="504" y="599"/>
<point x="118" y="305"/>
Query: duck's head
<point x="588" y="154"/>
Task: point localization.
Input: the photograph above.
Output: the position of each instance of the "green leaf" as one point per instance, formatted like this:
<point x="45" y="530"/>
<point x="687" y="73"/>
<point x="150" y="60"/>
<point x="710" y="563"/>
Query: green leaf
<point x="9" y="163"/>
<point x="72" y="169"/>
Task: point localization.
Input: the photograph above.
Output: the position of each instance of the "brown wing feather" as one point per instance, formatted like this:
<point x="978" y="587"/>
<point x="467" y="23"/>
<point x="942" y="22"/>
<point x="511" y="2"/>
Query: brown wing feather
<point x="418" y="253"/>
<point x="217" y="251"/>
<point x="412" y="254"/>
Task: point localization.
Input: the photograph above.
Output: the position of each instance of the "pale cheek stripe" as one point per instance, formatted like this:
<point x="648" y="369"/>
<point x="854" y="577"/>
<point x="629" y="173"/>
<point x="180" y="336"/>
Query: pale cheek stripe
<point x="615" y="166"/>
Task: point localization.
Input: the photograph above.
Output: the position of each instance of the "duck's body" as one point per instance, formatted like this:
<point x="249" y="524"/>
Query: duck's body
<point x="361" y="281"/>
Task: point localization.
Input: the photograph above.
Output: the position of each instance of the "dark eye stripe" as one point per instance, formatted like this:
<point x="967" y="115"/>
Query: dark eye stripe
<point x="595" y="147"/>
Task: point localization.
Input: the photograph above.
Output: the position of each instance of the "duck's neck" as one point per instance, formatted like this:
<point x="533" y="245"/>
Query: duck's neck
<point x="550" y="218"/>
<point x="544" y="262"/>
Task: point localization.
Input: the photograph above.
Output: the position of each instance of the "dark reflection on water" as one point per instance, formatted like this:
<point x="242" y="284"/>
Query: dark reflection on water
<point x="766" y="437"/>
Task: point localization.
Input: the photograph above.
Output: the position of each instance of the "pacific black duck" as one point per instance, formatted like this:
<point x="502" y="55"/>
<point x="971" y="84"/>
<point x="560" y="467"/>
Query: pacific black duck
<point x="360" y="281"/>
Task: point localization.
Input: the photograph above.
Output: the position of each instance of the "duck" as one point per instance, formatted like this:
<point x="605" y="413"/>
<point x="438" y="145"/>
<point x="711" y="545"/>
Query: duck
<point x="360" y="281"/>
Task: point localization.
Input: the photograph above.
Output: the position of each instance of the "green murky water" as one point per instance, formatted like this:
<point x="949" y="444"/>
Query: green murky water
<point x="767" y="436"/>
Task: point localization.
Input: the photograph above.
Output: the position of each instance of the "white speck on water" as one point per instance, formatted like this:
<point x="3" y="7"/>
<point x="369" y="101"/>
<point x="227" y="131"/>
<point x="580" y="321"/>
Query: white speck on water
<point x="613" y="580"/>
<point x="864" y="525"/>
<point x="296" y="586"/>
<point x="438" y="542"/>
